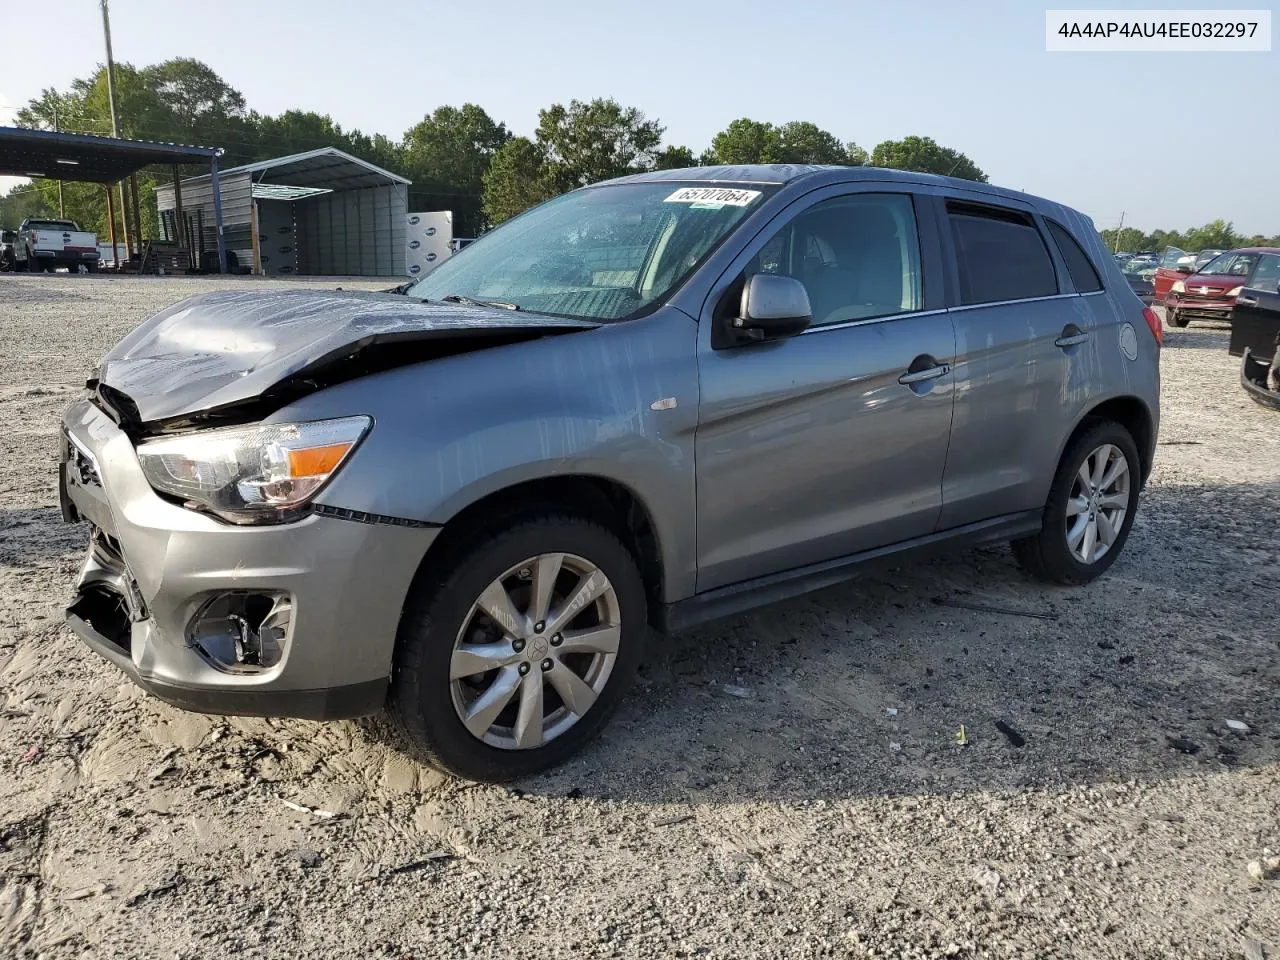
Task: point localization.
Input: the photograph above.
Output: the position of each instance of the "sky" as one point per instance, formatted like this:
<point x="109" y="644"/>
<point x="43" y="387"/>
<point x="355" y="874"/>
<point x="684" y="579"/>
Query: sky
<point x="1172" y="140"/>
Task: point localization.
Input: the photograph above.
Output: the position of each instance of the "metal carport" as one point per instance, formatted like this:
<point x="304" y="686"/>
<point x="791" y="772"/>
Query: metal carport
<point x="105" y="160"/>
<point x="323" y="212"/>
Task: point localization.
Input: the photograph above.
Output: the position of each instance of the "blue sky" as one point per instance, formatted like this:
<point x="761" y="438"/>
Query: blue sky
<point x="1101" y="132"/>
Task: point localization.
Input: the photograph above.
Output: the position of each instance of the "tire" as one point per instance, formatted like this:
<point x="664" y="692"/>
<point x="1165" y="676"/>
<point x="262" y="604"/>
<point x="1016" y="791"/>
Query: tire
<point x="1048" y="556"/>
<point x="1176" y="319"/>
<point x="427" y="703"/>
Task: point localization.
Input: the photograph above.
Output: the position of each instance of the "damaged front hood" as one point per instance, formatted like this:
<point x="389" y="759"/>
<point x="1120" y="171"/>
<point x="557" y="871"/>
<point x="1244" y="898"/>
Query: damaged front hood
<point x="221" y="349"/>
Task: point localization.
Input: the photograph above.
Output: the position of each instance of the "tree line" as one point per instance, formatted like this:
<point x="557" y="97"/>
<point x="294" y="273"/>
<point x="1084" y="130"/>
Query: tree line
<point x="458" y="158"/>
<point x="1216" y="235"/>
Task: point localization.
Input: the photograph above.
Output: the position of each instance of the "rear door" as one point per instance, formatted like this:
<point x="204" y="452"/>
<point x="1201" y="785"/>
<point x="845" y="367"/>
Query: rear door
<point x="831" y="442"/>
<point x="1024" y="356"/>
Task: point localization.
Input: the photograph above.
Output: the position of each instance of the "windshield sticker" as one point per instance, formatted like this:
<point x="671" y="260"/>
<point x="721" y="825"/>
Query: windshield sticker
<point x="713" y="198"/>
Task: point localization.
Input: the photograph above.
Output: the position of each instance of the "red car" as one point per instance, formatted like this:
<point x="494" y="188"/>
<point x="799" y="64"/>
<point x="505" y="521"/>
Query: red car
<point x="1211" y="293"/>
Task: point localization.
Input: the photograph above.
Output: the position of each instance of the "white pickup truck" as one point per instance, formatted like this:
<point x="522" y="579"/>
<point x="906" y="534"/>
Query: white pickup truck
<point x="44" y="244"/>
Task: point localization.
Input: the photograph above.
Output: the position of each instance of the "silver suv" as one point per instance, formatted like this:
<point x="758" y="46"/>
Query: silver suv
<point x="646" y="403"/>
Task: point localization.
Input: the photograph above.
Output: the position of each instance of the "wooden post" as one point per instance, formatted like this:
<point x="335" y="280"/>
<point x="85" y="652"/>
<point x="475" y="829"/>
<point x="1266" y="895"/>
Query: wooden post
<point x="111" y="229"/>
<point x="257" y="246"/>
<point x="124" y="219"/>
<point x="180" y="223"/>
<point x="137" y="209"/>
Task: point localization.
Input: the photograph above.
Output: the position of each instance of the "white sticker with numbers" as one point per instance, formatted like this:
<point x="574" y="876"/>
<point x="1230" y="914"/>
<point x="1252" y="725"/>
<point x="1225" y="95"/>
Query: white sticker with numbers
<point x="714" y="196"/>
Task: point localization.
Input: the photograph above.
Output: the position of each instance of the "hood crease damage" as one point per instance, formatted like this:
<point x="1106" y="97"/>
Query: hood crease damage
<point x="232" y="357"/>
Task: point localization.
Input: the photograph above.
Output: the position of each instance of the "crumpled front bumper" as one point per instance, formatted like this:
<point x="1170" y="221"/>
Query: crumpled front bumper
<point x="153" y="567"/>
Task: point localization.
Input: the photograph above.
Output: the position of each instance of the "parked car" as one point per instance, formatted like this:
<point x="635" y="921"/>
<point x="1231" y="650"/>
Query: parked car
<point x="1255" y="332"/>
<point x="647" y="403"/>
<point x="1210" y="294"/>
<point x="1169" y="271"/>
<point x="43" y="244"/>
<point x="1140" y="277"/>
<point x="1204" y="256"/>
<point x="7" y="240"/>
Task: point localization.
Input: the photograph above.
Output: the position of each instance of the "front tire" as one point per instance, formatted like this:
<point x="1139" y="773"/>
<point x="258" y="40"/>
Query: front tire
<point x="1090" y="509"/>
<point x="1176" y="319"/>
<point x="520" y="647"/>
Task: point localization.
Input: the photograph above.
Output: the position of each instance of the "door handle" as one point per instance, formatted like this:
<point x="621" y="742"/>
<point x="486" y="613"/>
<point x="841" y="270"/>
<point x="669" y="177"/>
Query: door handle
<point x="1071" y="340"/>
<point x="919" y="376"/>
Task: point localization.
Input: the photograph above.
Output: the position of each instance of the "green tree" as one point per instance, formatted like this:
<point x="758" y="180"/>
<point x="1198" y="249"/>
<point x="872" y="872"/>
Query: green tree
<point x="745" y="141"/>
<point x="804" y="142"/>
<point x="1217" y="234"/>
<point x="675" y="158"/>
<point x="587" y="142"/>
<point x="516" y="180"/>
<point x="925" y="155"/>
<point x="1128" y="240"/>
<point x="446" y="156"/>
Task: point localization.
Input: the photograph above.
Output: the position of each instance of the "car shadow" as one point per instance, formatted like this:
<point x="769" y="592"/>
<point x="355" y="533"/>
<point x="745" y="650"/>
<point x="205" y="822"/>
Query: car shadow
<point x="37" y="536"/>
<point x="962" y="674"/>
<point x="1198" y="336"/>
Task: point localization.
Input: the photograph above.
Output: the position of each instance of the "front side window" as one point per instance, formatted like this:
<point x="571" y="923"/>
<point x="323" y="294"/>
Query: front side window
<point x="604" y="253"/>
<point x="1169" y="259"/>
<point x="1230" y="265"/>
<point x="858" y="257"/>
<point x="1000" y="255"/>
<point x="1267" y="275"/>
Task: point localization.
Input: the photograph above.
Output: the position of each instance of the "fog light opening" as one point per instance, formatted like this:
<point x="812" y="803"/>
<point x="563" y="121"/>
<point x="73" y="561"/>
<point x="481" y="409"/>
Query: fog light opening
<point x="243" y="632"/>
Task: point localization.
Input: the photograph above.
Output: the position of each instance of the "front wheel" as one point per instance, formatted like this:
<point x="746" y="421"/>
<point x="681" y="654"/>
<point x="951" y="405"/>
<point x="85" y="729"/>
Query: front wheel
<point x="518" y="653"/>
<point x="1175" y="318"/>
<point x="1090" y="509"/>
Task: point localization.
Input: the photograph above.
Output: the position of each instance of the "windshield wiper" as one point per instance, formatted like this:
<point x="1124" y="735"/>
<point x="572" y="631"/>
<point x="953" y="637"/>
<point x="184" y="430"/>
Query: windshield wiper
<point x="471" y="301"/>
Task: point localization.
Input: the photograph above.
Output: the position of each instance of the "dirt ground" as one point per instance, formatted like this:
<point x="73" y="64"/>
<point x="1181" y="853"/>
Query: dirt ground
<point x="828" y="813"/>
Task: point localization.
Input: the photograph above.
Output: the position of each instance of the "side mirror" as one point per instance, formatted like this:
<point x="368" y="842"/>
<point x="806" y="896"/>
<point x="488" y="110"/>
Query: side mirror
<point x="1185" y="268"/>
<point x="772" y="307"/>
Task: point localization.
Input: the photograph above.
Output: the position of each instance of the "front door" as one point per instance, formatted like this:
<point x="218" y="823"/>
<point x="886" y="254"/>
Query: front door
<point x="833" y="441"/>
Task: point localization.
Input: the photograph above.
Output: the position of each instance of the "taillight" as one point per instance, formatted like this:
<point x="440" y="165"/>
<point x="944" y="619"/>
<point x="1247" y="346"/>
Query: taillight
<point x="35" y="238"/>
<point x="1157" y="328"/>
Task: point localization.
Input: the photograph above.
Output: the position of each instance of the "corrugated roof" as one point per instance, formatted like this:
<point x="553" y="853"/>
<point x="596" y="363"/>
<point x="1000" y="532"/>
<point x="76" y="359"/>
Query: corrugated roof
<point x="84" y="156"/>
<point x="326" y="167"/>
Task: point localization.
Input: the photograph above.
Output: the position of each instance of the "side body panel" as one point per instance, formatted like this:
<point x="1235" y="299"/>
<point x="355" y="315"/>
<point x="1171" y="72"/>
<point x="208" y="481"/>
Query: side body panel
<point x="810" y="448"/>
<point x="449" y="432"/>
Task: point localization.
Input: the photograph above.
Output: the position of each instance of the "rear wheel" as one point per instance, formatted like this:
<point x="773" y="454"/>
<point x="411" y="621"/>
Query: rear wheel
<point x="1090" y="509"/>
<point x="512" y="659"/>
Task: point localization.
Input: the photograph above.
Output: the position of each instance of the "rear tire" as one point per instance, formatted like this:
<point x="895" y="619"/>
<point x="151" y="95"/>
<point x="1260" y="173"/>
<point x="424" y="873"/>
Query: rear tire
<point x="430" y="698"/>
<point x="1054" y="555"/>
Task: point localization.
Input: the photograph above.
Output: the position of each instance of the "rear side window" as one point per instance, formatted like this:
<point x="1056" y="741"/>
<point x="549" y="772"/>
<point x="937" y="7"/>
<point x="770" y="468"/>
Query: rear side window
<point x="1000" y="254"/>
<point x="1267" y="275"/>
<point x="1083" y="276"/>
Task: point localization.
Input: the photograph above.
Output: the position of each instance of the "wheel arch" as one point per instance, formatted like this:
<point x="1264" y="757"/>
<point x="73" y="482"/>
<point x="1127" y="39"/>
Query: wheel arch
<point x="1132" y="413"/>
<point x="592" y="496"/>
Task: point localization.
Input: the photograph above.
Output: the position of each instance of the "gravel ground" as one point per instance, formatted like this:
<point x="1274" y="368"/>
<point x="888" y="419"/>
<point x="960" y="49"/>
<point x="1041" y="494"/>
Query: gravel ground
<point x="830" y="812"/>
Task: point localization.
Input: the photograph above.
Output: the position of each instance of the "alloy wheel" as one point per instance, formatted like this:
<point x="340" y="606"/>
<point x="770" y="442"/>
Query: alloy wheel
<point x="535" y="651"/>
<point x="1098" y="503"/>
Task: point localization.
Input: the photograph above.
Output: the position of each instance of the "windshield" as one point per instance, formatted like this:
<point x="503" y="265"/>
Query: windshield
<point x="1138" y="268"/>
<point x="1229" y="264"/>
<point x="603" y="253"/>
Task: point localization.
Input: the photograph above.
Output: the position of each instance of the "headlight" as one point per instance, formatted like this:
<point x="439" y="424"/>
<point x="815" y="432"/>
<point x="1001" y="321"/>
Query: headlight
<point x="1235" y="291"/>
<point x="1179" y="286"/>
<point x="258" y="474"/>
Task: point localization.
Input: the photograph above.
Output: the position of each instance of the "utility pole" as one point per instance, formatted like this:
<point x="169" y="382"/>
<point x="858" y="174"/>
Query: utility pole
<point x="115" y="123"/>
<point x="1119" y="229"/>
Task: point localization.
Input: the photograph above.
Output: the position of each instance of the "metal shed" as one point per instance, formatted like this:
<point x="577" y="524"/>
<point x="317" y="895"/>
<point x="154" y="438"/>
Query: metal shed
<point x="323" y="212"/>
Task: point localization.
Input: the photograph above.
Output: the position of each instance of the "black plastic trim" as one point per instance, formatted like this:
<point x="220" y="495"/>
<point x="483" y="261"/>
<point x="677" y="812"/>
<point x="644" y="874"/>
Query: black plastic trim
<point x="360" y="516"/>
<point x="334" y="703"/>
<point x="739" y="597"/>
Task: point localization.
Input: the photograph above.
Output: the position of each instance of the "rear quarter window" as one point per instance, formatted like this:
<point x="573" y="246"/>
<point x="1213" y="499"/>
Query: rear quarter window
<point x="1083" y="276"/>
<point x="1000" y="255"/>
